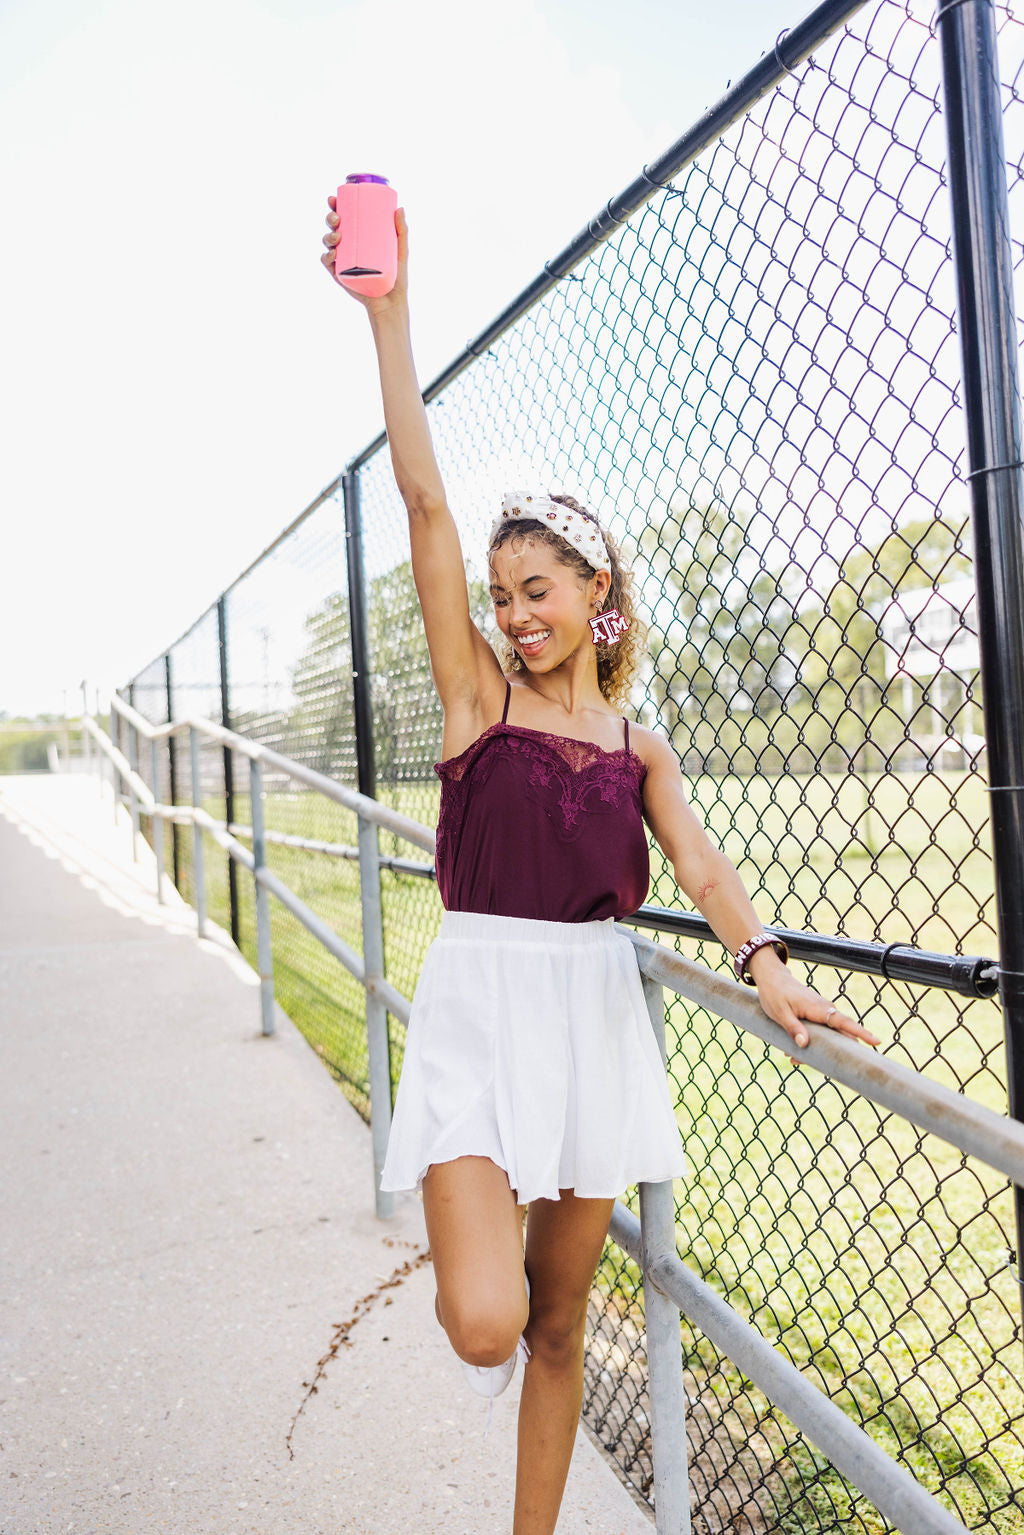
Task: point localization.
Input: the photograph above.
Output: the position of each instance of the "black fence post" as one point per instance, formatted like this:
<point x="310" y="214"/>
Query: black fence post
<point x="366" y="770"/>
<point x="381" y="1076"/>
<point x="229" y="762"/>
<point x="172" y="774"/>
<point x="988" y="342"/>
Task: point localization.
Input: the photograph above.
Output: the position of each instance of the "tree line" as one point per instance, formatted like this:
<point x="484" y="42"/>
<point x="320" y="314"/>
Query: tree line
<point x="751" y="667"/>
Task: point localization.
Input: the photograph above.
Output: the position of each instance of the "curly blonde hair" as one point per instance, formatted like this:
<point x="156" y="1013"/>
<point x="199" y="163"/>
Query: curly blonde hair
<point x="617" y="662"/>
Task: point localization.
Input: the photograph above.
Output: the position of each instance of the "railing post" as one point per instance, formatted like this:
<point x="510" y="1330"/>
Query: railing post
<point x="378" y="1043"/>
<point x="198" y="868"/>
<point x="264" y="951"/>
<point x="664" y="1342"/>
<point x="158" y="823"/>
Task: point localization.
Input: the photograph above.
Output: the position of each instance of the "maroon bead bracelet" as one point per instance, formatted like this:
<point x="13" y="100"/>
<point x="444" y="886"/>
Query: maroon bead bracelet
<point x="750" y="948"/>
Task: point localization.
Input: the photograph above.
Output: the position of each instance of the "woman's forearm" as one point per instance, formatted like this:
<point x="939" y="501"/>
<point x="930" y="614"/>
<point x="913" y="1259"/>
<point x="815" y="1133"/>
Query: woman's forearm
<point x="721" y="898"/>
<point x="405" y="417"/>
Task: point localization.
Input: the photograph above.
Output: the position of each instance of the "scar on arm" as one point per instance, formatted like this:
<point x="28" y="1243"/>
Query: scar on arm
<point x="706" y="889"/>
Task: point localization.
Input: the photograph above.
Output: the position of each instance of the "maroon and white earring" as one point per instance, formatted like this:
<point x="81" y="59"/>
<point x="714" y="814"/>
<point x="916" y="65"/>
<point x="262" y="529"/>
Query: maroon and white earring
<point x="607" y="627"/>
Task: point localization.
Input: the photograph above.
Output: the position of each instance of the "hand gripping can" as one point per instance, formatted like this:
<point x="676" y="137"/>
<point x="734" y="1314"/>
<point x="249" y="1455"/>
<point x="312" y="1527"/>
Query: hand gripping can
<point x="366" y="255"/>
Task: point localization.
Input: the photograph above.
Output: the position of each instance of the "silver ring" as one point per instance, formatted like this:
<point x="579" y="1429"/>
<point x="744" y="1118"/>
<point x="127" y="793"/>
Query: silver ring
<point x="828" y="1015"/>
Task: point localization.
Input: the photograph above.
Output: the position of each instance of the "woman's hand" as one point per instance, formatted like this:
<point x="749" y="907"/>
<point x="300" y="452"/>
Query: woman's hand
<point x="792" y="1005"/>
<point x="398" y="296"/>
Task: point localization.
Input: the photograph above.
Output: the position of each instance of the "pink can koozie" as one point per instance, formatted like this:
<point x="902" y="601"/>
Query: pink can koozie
<point x="366" y="255"/>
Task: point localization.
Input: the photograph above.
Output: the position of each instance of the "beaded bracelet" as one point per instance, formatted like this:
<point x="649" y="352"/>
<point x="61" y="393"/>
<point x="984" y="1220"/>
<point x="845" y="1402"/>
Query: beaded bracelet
<point x="746" y="953"/>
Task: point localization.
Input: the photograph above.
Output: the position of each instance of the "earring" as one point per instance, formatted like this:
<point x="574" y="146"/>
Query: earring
<point x="607" y="627"/>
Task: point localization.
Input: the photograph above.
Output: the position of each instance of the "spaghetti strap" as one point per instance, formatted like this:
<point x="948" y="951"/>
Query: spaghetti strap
<point x="508" y="695"/>
<point x="625" y="721"/>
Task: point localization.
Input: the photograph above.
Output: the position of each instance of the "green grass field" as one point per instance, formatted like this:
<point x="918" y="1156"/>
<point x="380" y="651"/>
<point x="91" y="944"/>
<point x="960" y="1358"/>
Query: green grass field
<point x="875" y="1256"/>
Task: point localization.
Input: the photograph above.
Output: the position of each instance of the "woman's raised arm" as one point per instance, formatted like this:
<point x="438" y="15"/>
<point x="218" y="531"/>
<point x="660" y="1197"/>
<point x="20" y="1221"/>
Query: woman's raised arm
<point x="461" y="660"/>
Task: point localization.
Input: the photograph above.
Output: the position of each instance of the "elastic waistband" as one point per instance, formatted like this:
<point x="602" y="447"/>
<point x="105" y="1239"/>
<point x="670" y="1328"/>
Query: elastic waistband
<point x="483" y="927"/>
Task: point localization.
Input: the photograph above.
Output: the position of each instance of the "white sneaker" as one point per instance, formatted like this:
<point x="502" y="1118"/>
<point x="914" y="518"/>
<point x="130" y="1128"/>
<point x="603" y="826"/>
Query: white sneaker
<point x="491" y="1380"/>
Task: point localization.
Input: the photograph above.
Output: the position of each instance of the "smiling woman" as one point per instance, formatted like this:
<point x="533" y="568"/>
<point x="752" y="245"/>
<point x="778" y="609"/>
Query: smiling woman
<point x="616" y="659"/>
<point x="531" y="1075"/>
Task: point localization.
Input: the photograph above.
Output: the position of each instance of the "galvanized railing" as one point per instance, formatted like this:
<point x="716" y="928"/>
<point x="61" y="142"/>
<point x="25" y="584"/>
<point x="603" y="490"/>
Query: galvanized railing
<point x="670" y="1287"/>
<point x="368" y="968"/>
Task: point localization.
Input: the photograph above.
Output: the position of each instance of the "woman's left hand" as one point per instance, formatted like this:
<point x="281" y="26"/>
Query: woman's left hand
<point x="789" y="1003"/>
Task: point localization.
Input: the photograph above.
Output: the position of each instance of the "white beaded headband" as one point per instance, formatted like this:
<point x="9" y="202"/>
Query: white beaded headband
<point x="578" y="529"/>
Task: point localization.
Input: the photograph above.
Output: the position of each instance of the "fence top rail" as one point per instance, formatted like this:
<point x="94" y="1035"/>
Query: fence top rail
<point x="993" y="1138"/>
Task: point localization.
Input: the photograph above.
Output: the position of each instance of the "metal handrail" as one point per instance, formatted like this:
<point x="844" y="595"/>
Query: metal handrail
<point x="392" y="820"/>
<point x="891" y="1488"/>
<point x="367" y="968"/>
<point x="670" y="1286"/>
<point x="993" y="1138"/>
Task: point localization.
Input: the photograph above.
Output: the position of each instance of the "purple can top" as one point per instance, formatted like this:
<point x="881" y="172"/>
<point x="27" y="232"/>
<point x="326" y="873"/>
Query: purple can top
<point x="380" y="180"/>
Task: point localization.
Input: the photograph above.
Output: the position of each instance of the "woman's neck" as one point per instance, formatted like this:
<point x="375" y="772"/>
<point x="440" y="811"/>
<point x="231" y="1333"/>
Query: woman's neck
<point x="571" y="688"/>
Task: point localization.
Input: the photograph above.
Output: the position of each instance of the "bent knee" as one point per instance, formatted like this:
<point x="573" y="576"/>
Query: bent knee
<point x="482" y="1339"/>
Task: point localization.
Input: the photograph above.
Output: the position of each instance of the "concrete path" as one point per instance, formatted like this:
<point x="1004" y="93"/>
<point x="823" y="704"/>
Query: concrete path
<point x="188" y="1237"/>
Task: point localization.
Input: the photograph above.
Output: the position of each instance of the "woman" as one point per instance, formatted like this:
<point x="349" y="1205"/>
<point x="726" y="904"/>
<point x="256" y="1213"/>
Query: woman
<point x="531" y="1075"/>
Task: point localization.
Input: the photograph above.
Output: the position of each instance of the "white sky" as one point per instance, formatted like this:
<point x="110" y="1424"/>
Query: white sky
<point x="179" y="377"/>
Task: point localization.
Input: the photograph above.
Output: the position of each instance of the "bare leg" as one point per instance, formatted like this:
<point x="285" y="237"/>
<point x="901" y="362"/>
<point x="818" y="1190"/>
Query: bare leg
<point x="564" y="1242"/>
<point x="475" y="1230"/>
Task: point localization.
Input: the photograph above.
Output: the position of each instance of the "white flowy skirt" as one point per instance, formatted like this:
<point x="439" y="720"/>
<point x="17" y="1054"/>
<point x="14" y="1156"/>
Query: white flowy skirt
<point x="529" y="1042"/>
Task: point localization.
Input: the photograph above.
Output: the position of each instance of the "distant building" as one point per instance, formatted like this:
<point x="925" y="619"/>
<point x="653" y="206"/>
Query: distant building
<point x="930" y="641"/>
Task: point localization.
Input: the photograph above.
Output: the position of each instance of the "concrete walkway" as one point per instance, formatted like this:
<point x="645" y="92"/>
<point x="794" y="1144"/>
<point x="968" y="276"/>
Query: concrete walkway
<point x="188" y="1230"/>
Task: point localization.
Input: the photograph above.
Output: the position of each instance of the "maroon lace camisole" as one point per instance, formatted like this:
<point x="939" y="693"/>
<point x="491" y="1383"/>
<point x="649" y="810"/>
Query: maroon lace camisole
<point x="539" y="825"/>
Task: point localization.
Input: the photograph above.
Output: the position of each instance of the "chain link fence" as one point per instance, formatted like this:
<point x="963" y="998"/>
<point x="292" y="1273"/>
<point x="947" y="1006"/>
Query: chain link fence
<point x="755" y="381"/>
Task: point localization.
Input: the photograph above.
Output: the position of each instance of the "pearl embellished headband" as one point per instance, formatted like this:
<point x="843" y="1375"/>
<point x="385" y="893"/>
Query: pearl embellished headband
<point x="576" y="528"/>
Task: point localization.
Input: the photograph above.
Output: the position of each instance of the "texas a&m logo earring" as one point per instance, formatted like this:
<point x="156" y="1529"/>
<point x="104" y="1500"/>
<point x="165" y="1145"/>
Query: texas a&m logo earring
<point x="607" y="627"/>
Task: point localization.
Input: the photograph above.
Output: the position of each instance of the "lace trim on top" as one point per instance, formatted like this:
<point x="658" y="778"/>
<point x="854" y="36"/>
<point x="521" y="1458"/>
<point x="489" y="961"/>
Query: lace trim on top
<point x="578" y="776"/>
<point x="577" y="754"/>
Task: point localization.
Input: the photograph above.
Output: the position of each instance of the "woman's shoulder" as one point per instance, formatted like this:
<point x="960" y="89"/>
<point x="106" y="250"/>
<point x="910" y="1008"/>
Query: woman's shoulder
<point x="652" y="745"/>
